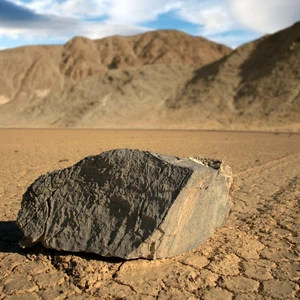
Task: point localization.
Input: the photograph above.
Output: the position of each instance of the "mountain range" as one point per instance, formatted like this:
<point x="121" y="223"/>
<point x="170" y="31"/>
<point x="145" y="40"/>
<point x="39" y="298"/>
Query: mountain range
<point x="159" y="79"/>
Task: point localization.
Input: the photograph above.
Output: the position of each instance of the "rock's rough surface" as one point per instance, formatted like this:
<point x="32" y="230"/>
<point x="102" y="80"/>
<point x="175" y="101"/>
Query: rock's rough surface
<point x="128" y="204"/>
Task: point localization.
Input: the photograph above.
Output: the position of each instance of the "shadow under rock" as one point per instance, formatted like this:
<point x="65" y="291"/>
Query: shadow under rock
<point x="11" y="234"/>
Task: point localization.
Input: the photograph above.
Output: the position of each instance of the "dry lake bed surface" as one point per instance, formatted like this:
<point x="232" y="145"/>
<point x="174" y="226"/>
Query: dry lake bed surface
<point x="254" y="256"/>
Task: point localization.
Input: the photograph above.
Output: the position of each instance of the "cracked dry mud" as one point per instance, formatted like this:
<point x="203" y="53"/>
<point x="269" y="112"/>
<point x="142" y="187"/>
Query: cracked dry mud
<point x="254" y="256"/>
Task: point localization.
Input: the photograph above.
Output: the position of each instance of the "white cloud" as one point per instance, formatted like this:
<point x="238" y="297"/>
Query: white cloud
<point x="90" y="30"/>
<point x="210" y="16"/>
<point x="265" y="16"/>
<point x="67" y="8"/>
<point x="96" y="31"/>
<point x="31" y="24"/>
<point x="215" y="19"/>
<point x="137" y="11"/>
<point x="119" y="11"/>
<point x="121" y="17"/>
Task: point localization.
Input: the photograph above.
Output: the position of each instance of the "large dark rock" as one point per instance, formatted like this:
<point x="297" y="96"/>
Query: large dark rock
<point x="127" y="203"/>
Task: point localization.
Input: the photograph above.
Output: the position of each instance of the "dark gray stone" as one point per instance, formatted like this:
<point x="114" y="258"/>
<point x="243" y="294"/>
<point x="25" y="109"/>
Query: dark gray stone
<point x="128" y="204"/>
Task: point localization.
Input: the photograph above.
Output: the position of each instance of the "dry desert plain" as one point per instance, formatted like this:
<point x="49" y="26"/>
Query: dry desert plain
<point x="254" y="256"/>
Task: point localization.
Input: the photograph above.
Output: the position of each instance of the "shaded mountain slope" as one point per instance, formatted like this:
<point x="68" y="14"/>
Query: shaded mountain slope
<point x="259" y="79"/>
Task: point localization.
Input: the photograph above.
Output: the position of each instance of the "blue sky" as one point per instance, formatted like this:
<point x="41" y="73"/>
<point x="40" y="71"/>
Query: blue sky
<point x="231" y="22"/>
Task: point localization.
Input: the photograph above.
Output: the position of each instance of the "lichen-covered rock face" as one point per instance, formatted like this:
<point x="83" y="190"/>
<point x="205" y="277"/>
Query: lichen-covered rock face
<point x="126" y="203"/>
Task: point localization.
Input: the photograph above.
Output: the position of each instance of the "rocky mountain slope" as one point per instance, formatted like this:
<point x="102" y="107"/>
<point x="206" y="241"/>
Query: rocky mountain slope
<point x="160" y="79"/>
<point x="32" y="71"/>
<point x="258" y="81"/>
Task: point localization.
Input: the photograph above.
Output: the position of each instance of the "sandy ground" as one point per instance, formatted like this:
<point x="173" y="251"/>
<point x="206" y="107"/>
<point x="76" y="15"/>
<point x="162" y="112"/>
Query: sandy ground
<point x="255" y="256"/>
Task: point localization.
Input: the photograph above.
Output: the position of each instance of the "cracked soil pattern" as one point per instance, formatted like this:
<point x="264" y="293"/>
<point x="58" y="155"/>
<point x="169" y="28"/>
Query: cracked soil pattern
<point x="254" y="256"/>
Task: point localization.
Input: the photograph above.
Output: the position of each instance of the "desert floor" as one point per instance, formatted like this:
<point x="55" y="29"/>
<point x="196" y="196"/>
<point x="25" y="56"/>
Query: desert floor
<point x="255" y="256"/>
